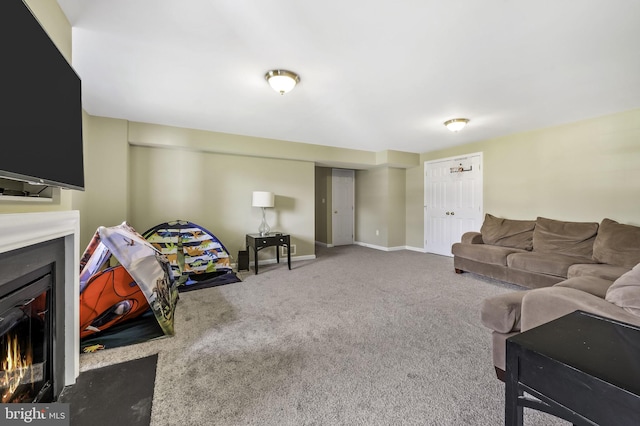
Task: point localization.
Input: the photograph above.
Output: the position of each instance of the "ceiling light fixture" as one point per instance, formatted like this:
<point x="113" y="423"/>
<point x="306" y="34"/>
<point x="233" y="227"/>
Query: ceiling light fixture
<point x="456" y="124"/>
<point x="282" y="81"/>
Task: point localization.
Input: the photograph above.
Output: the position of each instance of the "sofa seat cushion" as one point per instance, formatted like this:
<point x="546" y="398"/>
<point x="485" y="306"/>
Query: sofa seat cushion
<point x="508" y="232"/>
<point x="542" y="305"/>
<point x="493" y="255"/>
<point x="592" y="285"/>
<point x="544" y="263"/>
<point x="625" y="291"/>
<point x="617" y="244"/>
<point x="600" y="270"/>
<point x="502" y="313"/>
<point x="568" y="238"/>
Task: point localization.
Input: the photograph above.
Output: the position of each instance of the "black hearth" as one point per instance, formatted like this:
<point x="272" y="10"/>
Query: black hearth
<point x="31" y="313"/>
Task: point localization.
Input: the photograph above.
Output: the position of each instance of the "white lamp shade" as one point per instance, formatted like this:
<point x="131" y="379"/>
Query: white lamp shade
<point x="263" y="199"/>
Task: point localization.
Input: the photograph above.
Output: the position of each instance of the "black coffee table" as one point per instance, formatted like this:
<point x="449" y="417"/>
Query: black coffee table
<point x="581" y="367"/>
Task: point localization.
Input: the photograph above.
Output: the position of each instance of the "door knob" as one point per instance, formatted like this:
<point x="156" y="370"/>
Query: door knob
<point x="447" y="213"/>
<point x="452" y="213"/>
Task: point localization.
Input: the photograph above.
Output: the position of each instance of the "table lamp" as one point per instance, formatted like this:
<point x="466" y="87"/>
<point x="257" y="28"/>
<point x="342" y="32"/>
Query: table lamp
<point x="263" y="199"/>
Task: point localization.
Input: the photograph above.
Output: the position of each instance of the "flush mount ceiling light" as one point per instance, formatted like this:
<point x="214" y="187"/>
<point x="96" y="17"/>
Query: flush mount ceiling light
<point x="456" y="124"/>
<point x="282" y="81"/>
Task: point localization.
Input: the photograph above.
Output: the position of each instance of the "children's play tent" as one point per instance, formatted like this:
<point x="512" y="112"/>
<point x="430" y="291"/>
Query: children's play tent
<point x="198" y="259"/>
<point x="121" y="277"/>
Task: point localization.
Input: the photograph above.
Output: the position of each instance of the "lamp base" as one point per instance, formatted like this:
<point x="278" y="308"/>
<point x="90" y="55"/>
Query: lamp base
<point x="264" y="226"/>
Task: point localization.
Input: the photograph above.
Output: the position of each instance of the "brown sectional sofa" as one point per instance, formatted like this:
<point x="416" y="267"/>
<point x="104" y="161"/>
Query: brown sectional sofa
<point x="544" y="252"/>
<point x="568" y="266"/>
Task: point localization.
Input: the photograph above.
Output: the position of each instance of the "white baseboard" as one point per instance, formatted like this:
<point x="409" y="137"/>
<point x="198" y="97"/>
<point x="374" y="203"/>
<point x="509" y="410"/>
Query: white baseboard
<point x="382" y="248"/>
<point x="373" y="246"/>
<point x="418" y="249"/>
<point x="320" y="243"/>
<point x="283" y="259"/>
<point x="358" y="243"/>
<point x="397" y="248"/>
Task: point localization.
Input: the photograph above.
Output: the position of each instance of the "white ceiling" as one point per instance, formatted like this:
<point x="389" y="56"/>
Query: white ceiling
<point x="375" y="75"/>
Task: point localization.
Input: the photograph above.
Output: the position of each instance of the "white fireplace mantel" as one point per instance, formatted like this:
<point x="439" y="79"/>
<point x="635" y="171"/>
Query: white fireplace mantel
<point x="25" y="229"/>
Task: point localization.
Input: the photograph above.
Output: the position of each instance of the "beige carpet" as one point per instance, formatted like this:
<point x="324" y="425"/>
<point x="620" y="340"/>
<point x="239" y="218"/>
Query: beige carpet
<point x="355" y="337"/>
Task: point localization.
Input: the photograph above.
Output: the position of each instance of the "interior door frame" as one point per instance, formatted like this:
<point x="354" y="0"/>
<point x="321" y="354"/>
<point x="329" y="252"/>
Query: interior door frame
<point x="456" y="158"/>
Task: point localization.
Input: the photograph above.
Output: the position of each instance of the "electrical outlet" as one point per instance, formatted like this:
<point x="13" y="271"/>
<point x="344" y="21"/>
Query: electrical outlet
<point x="377" y="232"/>
<point x="283" y="250"/>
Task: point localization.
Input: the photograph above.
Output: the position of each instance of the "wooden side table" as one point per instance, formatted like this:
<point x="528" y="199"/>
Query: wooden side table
<point x="581" y="367"/>
<point x="257" y="242"/>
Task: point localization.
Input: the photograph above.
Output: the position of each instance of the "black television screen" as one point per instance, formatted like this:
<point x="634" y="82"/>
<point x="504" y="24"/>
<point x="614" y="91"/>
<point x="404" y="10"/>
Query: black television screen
<point x="40" y="104"/>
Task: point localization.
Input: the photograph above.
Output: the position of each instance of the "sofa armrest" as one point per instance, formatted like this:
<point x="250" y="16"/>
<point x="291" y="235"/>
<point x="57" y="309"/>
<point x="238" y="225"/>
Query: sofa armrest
<point x="502" y="313"/>
<point x="542" y="305"/>
<point x="499" y="350"/>
<point x="472" y="237"/>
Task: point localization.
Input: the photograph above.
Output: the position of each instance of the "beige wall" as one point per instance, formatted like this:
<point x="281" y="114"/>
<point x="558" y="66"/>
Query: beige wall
<point x="214" y="191"/>
<point x="55" y="23"/>
<point x="583" y="171"/>
<point x="323" y="200"/>
<point x="106" y="162"/>
<point x="414" y="202"/>
<point x="146" y="194"/>
<point x="397" y="208"/>
<point x="380" y="206"/>
<point x="371" y="209"/>
<point x="145" y="134"/>
<point x="324" y="157"/>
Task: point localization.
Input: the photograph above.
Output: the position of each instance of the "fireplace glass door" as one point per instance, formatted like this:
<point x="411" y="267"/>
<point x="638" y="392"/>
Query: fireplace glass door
<point x="25" y="343"/>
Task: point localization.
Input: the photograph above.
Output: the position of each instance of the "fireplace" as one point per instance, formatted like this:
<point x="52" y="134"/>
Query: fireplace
<point x="25" y="342"/>
<point x="29" y="315"/>
<point x="39" y="338"/>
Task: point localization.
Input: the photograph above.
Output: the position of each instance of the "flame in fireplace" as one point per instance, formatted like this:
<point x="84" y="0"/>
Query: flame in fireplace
<point x="15" y="367"/>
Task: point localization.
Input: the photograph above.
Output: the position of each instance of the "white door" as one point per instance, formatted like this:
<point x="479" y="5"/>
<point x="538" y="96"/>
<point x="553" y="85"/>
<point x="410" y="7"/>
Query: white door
<point x="452" y="201"/>
<point x="342" y="201"/>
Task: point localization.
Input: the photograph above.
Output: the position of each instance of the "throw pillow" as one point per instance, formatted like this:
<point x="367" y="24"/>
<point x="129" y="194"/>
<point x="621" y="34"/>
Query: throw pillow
<point x="617" y="244"/>
<point x="508" y="232"/>
<point x="625" y="291"/>
<point x="560" y="237"/>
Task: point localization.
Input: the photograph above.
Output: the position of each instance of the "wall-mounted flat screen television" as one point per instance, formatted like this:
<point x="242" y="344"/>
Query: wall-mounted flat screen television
<point x="40" y="104"/>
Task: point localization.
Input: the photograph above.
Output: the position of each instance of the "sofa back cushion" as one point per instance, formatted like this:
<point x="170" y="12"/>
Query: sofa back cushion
<point x="617" y="244"/>
<point x="625" y="291"/>
<point x="508" y="232"/>
<point x="560" y="237"/>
